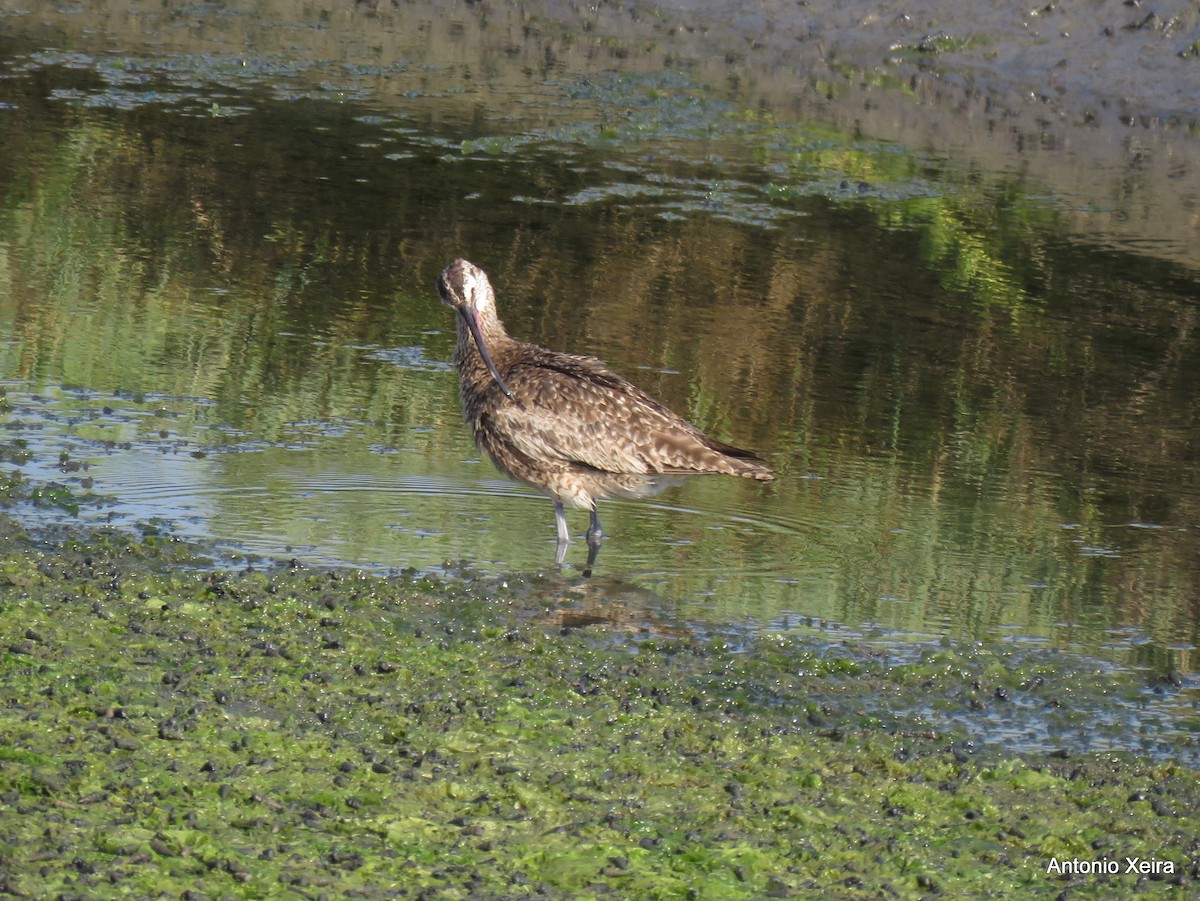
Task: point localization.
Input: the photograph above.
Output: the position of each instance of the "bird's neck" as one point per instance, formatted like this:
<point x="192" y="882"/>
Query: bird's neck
<point x="472" y="371"/>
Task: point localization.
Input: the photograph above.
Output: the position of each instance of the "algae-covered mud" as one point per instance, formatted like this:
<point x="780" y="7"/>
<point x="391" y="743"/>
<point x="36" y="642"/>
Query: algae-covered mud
<point x="171" y="730"/>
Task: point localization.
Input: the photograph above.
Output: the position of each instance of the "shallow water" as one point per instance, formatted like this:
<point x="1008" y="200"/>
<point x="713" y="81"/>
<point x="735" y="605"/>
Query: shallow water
<point x="216" y="290"/>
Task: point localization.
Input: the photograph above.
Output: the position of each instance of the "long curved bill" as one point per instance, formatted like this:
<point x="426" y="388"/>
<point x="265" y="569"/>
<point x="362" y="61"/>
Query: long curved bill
<point x="473" y="325"/>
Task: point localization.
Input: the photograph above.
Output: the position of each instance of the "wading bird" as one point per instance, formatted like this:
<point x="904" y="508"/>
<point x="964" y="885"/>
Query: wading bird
<point x="563" y="423"/>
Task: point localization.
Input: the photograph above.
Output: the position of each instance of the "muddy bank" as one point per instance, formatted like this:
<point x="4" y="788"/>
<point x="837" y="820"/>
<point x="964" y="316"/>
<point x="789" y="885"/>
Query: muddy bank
<point x="1093" y="106"/>
<point x="1100" y="102"/>
<point x="1132" y="62"/>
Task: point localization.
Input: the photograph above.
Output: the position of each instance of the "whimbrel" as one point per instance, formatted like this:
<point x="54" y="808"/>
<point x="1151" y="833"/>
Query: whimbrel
<point x="564" y="423"/>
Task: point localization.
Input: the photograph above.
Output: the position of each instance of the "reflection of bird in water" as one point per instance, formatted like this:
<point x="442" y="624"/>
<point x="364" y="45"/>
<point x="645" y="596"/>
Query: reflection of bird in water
<point x="565" y="424"/>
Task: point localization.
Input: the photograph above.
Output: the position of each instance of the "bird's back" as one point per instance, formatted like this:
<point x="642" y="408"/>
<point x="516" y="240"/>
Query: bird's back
<point x="572" y="411"/>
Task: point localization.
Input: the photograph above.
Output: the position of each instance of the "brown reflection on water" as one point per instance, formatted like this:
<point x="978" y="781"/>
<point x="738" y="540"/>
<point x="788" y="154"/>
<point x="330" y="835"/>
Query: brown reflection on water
<point x="999" y="423"/>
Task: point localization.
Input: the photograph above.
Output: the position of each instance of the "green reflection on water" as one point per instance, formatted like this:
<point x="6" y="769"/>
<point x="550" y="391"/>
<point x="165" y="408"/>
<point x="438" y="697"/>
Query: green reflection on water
<point x="974" y="419"/>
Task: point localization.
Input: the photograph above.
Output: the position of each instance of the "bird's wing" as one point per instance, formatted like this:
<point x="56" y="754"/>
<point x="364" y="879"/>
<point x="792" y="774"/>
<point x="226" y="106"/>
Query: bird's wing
<point x="572" y="410"/>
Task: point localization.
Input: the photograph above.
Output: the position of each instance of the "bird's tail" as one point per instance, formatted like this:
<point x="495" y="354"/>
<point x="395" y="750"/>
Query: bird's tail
<point x="741" y="462"/>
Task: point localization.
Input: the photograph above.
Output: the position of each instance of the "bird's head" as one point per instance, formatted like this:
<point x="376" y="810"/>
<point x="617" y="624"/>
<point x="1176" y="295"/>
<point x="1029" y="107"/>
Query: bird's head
<point x="465" y="288"/>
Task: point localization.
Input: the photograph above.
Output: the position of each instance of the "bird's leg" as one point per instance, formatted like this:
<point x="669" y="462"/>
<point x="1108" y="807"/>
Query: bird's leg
<point x="594" y="534"/>
<point x="560" y="520"/>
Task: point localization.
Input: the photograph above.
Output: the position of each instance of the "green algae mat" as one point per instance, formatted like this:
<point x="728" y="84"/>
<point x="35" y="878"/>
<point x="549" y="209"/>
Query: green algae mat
<point x="169" y="729"/>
